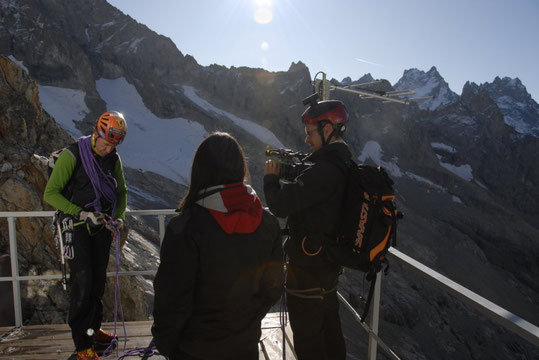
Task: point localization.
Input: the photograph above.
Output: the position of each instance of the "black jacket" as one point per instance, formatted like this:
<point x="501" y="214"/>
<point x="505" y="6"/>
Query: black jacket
<point x="313" y="204"/>
<point x="212" y="289"/>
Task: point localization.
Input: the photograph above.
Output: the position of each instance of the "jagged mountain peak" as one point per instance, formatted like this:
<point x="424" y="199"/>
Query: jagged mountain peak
<point x="347" y="81"/>
<point x="364" y="79"/>
<point x="299" y="66"/>
<point x="429" y="83"/>
<point x="518" y="107"/>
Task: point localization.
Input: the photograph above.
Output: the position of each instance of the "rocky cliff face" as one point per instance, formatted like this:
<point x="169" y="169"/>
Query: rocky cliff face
<point x="466" y="174"/>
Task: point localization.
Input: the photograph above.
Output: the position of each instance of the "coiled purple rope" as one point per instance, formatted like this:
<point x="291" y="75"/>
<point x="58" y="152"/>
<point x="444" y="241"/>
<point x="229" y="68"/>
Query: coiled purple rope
<point x="103" y="184"/>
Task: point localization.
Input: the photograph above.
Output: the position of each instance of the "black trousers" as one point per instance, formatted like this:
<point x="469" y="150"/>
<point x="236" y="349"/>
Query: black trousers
<point x="87" y="282"/>
<point x="315" y="323"/>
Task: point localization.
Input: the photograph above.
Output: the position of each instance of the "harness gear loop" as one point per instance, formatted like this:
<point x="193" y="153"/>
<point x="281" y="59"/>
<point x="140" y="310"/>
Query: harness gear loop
<point x="306" y="252"/>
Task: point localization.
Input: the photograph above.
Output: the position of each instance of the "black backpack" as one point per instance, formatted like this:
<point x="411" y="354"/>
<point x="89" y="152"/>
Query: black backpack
<point x="52" y="160"/>
<point x="369" y="222"/>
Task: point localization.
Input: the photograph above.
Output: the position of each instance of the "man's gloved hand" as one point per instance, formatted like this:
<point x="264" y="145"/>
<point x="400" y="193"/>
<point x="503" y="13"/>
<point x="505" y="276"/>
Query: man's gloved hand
<point x="92" y="218"/>
<point x="122" y="228"/>
<point x="118" y="223"/>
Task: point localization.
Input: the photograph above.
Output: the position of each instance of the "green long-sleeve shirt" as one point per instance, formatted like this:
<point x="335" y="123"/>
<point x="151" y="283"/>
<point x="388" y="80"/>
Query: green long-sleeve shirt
<point x="60" y="176"/>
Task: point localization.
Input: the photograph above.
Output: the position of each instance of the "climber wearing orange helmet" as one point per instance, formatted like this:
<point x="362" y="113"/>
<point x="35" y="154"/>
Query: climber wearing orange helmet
<point x="313" y="205"/>
<point x="87" y="186"/>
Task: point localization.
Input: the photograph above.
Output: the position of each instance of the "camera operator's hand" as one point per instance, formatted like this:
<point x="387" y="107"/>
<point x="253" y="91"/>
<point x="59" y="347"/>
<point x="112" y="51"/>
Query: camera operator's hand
<point x="92" y="218"/>
<point x="272" y="168"/>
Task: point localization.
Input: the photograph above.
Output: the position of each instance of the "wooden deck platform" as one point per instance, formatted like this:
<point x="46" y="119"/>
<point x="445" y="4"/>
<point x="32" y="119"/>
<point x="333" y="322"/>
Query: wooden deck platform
<point x="53" y="342"/>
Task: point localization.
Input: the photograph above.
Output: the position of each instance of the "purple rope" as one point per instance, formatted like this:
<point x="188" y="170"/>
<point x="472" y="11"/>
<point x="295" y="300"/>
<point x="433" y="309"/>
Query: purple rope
<point x="117" y="300"/>
<point x="140" y="351"/>
<point x="103" y="184"/>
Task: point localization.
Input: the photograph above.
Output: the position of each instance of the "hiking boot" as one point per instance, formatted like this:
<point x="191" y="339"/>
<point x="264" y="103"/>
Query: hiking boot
<point x="103" y="337"/>
<point x="87" y="354"/>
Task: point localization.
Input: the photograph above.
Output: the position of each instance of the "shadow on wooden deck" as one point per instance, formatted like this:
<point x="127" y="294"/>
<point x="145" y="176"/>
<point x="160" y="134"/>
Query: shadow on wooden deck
<point x="53" y="342"/>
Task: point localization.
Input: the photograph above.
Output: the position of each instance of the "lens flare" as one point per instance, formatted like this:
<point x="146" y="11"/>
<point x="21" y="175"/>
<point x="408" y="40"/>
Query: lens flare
<point x="263" y="16"/>
<point x="264" y="46"/>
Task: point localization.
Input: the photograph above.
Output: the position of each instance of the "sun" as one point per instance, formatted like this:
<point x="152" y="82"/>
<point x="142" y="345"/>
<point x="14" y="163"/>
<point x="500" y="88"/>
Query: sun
<point x="263" y="11"/>
<point x="263" y="3"/>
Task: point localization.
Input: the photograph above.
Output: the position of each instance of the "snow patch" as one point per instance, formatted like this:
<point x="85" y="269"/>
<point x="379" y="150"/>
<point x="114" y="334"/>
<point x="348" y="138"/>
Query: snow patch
<point x="106" y="25"/>
<point x="65" y="105"/>
<point x="456" y="199"/>
<point x="134" y="45"/>
<point x="444" y="147"/>
<point x="291" y="87"/>
<point x="425" y="181"/>
<point x="463" y="171"/>
<point x="164" y="146"/>
<point x="145" y="195"/>
<point x="481" y="184"/>
<point x="260" y="132"/>
<point x="372" y="150"/>
<point x="20" y="63"/>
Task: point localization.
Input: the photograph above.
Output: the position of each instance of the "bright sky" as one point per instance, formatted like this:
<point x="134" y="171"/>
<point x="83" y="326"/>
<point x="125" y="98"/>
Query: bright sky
<point x="473" y="40"/>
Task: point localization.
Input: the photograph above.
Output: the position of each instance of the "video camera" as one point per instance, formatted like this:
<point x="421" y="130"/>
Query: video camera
<point x="291" y="162"/>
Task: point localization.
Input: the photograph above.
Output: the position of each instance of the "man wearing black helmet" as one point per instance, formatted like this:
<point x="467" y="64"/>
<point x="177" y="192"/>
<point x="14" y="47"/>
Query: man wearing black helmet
<point x="313" y="205"/>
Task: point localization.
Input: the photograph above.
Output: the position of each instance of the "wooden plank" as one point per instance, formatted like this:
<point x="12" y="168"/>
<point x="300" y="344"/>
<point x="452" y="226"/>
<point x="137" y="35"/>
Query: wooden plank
<point x="53" y="342"/>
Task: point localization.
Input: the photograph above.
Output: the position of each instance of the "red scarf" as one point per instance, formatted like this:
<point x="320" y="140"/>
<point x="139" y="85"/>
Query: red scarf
<point x="235" y="207"/>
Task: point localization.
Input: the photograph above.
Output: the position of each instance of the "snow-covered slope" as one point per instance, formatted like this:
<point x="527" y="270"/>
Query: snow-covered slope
<point x="164" y="146"/>
<point x="258" y="131"/>
<point x="65" y="105"/>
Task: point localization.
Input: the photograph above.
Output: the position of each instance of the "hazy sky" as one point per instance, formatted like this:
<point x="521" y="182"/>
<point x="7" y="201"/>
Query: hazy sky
<point x="473" y="40"/>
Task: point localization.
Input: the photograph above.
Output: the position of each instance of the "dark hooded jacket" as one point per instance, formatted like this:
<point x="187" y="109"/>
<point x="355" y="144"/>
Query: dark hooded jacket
<point x="221" y="270"/>
<point x="313" y="204"/>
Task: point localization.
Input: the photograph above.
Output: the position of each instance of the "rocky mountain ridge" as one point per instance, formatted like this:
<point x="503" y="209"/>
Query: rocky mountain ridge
<point x="467" y="181"/>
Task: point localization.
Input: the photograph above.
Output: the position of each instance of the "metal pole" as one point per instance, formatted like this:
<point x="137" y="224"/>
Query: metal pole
<point x="375" y="317"/>
<point x="15" y="270"/>
<point x="382" y="345"/>
<point x="325" y="92"/>
<point x="161" y="228"/>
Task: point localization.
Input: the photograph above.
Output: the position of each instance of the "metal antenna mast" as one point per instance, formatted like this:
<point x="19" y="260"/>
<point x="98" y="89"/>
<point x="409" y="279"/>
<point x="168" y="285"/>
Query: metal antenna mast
<point x="323" y="87"/>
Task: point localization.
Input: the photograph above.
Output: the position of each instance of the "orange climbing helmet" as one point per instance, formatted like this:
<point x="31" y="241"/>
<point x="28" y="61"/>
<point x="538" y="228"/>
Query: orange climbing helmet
<point x="112" y="127"/>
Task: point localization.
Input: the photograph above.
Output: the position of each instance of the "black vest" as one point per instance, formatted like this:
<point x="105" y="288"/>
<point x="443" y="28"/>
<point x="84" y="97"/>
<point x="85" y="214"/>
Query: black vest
<point x="81" y="191"/>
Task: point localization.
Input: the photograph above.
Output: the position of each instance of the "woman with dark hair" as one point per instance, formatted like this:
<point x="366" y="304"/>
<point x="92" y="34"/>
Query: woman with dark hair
<point x="221" y="262"/>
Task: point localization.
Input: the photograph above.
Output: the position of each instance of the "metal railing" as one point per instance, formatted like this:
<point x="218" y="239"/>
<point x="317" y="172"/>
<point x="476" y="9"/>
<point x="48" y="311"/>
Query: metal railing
<point x="15" y="278"/>
<point x="510" y="321"/>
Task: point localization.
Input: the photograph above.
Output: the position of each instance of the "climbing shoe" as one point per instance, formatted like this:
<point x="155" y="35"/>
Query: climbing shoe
<point x="103" y="337"/>
<point x="87" y="354"/>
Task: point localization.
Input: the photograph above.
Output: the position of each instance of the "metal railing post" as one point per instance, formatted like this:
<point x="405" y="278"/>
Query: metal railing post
<point x="161" y="228"/>
<point x="15" y="270"/>
<point x="374" y="317"/>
